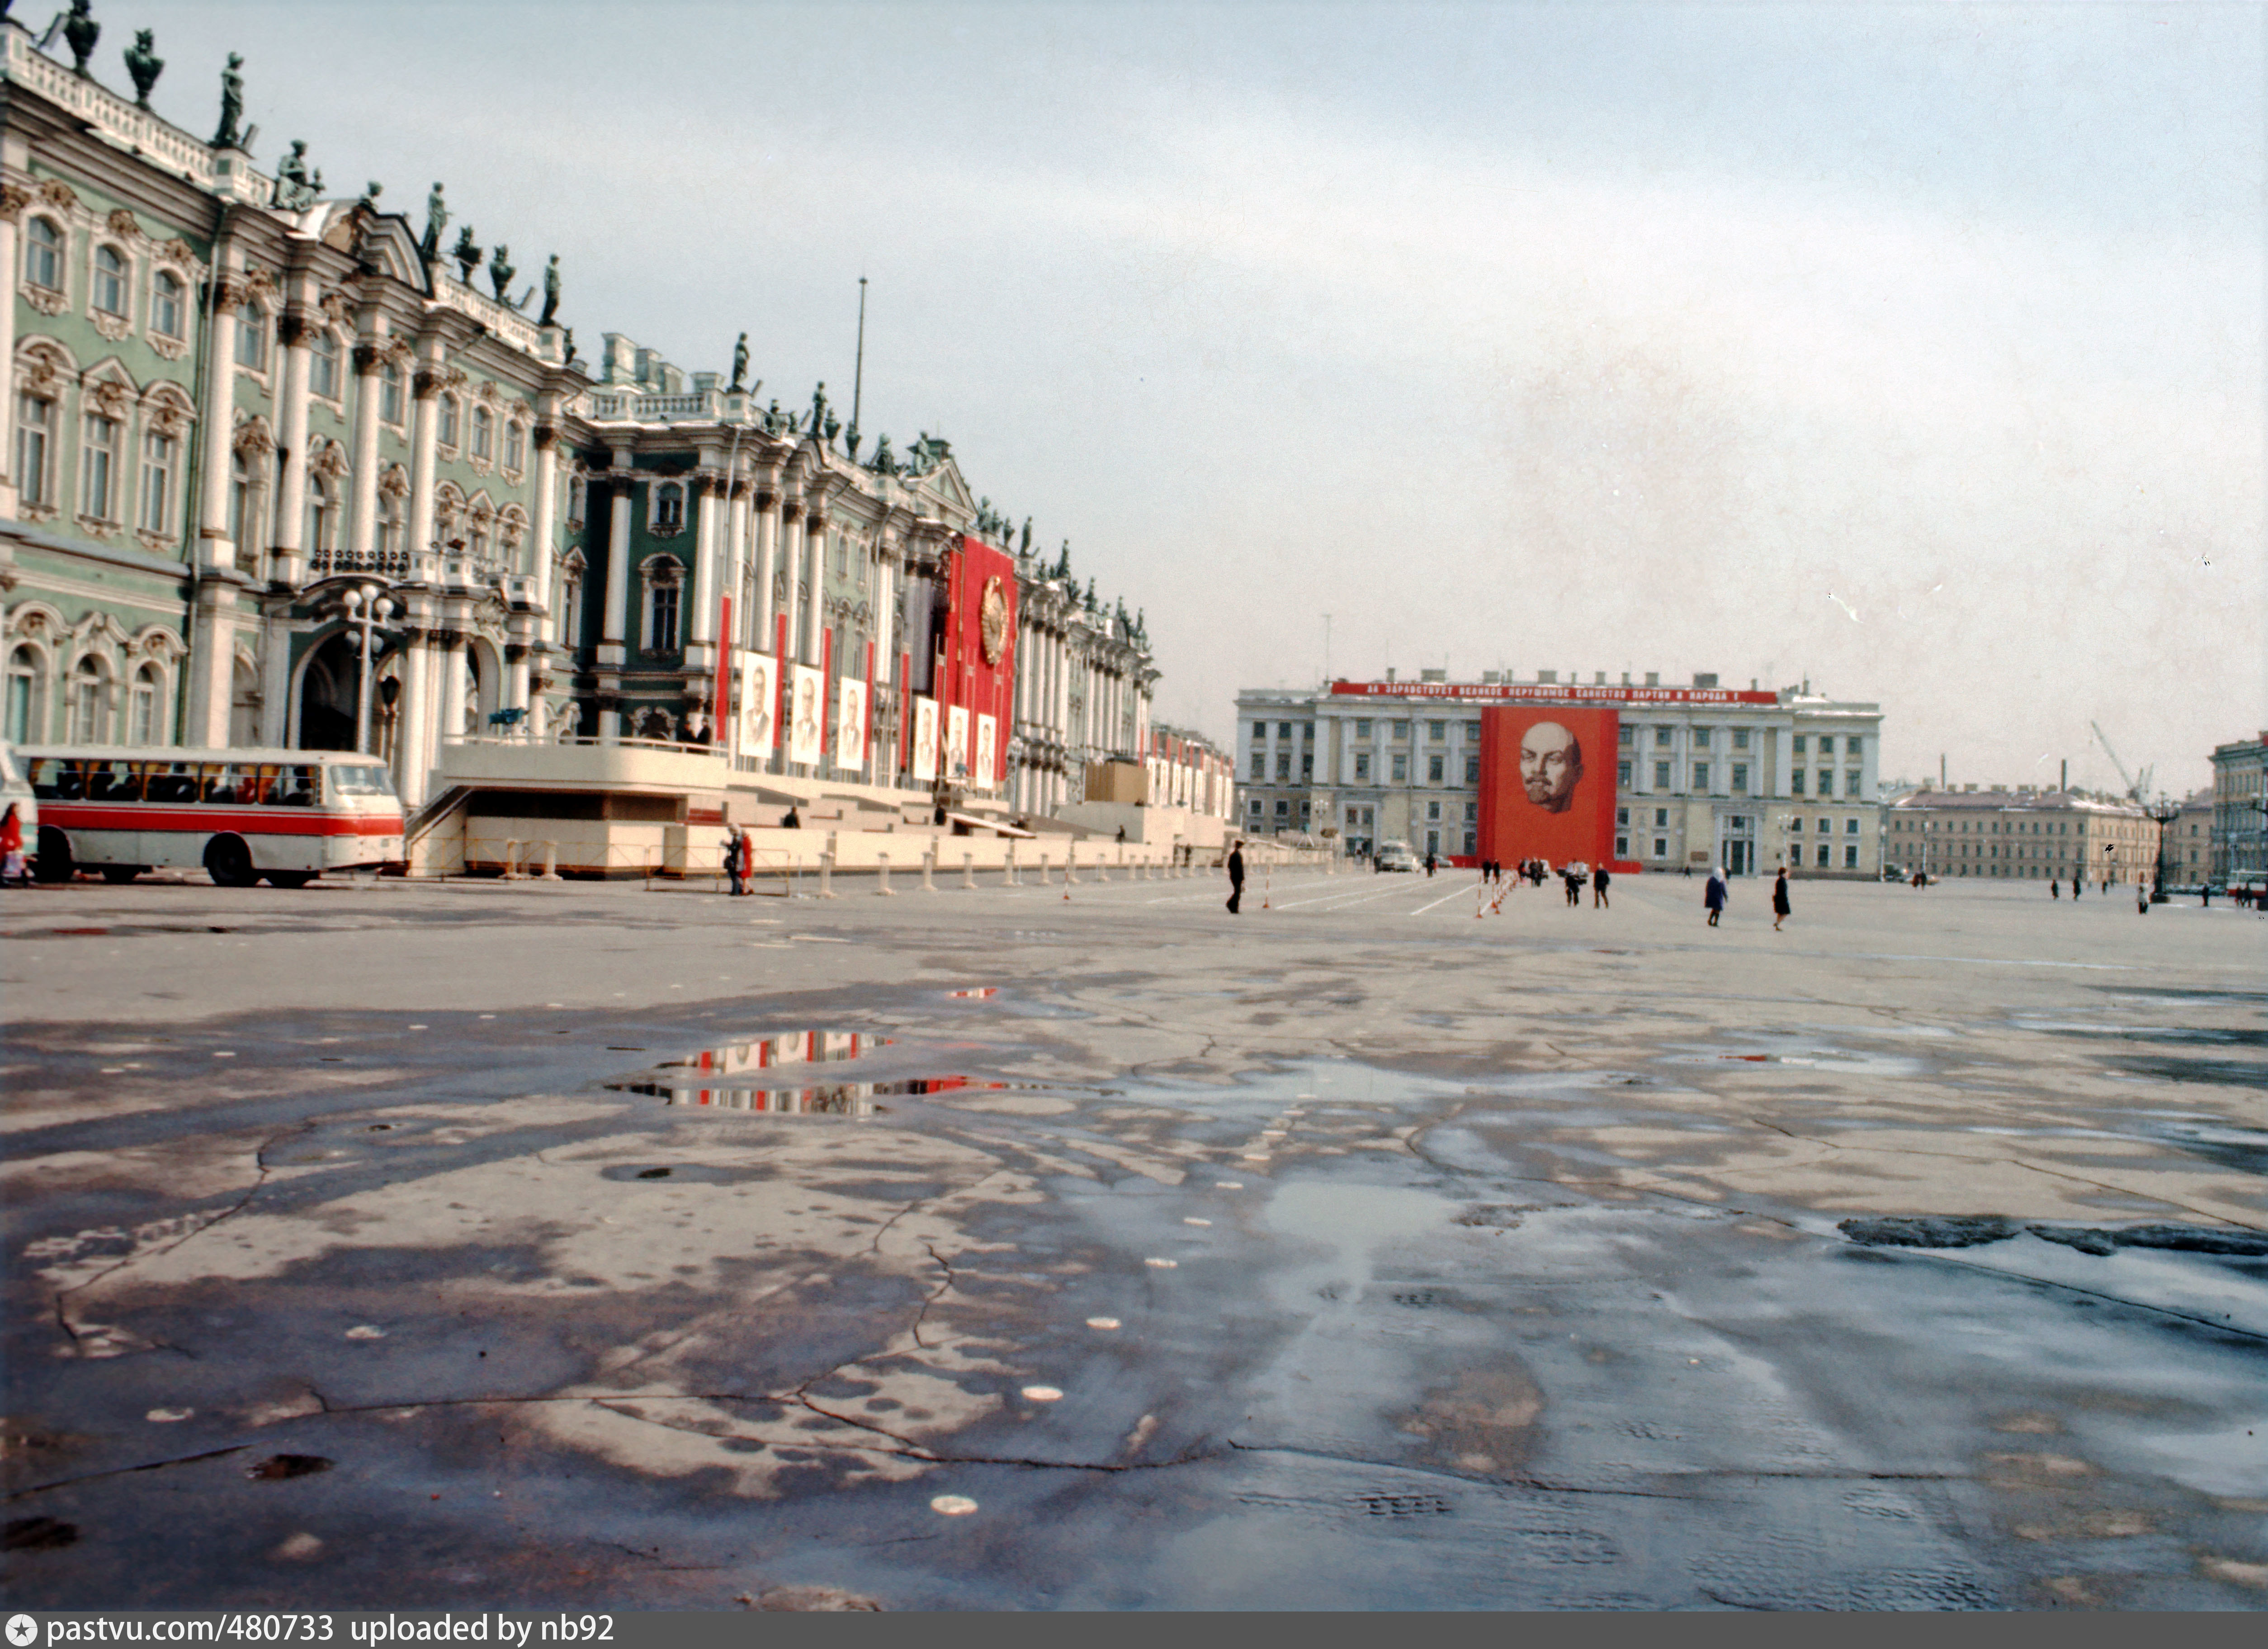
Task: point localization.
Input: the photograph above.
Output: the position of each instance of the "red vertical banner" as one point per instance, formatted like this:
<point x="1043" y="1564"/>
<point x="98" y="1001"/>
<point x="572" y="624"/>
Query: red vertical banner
<point x="779" y="688"/>
<point x="827" y="685"/>
<point x="905" y="710"/>
<point x="1548" y="783"/>
<point x="869" y="740"/>
<point x="720" y="713"/>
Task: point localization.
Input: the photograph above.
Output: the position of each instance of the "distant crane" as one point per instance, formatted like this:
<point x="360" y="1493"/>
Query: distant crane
<point x="2137" y="785"/>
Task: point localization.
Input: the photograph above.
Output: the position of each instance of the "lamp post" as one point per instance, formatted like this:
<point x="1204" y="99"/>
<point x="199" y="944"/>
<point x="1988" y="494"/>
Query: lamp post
<point x="2166" y="811"/>
<point x="365" y="607"/>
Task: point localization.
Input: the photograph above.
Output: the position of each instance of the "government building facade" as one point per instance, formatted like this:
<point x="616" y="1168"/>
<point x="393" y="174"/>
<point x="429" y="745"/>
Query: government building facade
<point x="1745" y="780"/>
<point x="252" y="427"/>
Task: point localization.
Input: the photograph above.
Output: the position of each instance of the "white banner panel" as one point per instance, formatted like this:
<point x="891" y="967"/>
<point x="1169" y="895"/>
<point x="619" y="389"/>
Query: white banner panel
<point x="807" y="688"/>
<point x="753" y="735"/>
<point x="986" y="772"/>
<point x="925" y="739"/>
<point x="851" y="728"/>
<point x="956" y="742"/>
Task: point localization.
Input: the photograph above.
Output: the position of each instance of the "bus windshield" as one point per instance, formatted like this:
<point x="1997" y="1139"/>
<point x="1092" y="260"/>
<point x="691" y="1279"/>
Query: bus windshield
<point x="361" y="781"/>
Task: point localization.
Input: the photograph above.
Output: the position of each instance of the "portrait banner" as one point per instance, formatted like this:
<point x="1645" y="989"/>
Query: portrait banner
<point x="851" y="727"/>
<point x="986" y="772"/>
<point x="753" y="730"/>
<point x="1548" y="783"/>
<point x="807" y="703"/>
<point x="925" y="739"/>
<point x="956" y="742"/>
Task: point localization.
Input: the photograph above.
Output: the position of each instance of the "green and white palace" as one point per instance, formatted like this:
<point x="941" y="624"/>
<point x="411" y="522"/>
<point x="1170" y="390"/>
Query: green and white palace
<point x="245" y="410"/>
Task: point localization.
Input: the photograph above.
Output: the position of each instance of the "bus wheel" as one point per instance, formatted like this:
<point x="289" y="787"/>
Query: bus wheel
<point x="117" y="874"/>
<point x="229" y="862"/>
<point x="290" y="878"/>
<point x="53" y="863"/>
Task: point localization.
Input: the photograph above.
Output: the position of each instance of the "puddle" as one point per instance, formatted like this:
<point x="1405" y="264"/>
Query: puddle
<point x="830" y="1099"/>
<point x="977" y="991"/>
<point x="791" y="1047"/>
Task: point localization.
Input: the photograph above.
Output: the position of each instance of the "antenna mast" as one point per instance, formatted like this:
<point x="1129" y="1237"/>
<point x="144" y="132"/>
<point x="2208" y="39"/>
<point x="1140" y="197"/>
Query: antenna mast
<point x="859" y="370"/>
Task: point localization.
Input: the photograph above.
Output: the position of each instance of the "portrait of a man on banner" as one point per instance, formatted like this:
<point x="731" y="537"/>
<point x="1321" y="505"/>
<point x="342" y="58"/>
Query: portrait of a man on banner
<point x="851" y="727"/>
<point x="754" y="734"/>
<point x="985" y="772"/>
<point x="956" y="742"/>
<point x="808" y="704"/>
<point x="925" y="752"/>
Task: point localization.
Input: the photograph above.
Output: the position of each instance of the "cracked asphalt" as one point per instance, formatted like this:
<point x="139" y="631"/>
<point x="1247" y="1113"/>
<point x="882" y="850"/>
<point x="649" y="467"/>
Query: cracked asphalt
<point x="569" y="1245"/>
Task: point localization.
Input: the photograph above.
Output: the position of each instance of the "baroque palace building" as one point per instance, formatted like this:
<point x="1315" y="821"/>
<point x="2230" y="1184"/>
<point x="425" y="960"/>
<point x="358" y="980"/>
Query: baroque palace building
<point x="246" y="415"/>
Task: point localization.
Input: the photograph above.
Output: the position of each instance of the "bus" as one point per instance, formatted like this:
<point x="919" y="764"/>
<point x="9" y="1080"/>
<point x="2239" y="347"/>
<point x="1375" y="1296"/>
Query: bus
<point x="282" y="816"/>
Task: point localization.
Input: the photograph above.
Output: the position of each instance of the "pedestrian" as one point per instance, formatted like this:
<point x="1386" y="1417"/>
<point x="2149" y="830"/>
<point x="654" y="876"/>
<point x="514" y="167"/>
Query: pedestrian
<point x="1779" y="899"/>
<point x="1429" y="864"/>
<point x="2208" y="896"/>
<point x="1235" y="878"/>
<point x="1571" y="877"/>
<point x="733" y="858"/>
<point x="1599" y="880"/>
<point x="13" y="873"/>
<point x="790" y="822"/>
<point x="2141" y="899"/>
<point x="1714" y="894"/>
<point x="1121" y="833"/>
<point x="2055" y="889"/>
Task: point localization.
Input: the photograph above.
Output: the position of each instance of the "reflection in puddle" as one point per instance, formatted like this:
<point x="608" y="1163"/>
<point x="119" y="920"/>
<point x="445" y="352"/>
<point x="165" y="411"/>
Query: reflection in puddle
<point x="831" y="1098"/>
<point x="977" y="990"/>
<point x="792" y="1047"/>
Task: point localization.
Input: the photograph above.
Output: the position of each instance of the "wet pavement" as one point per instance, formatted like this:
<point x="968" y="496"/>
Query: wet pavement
<point x="565" y="1245"/>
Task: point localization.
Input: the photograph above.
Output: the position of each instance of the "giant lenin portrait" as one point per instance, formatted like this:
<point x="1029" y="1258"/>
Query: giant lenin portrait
<point x="1548" y="783"/>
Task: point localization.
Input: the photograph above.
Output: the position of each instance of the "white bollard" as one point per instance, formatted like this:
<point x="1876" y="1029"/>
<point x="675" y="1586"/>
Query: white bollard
<point x="1043" y="871"/>
<point x="1008" y="869"/>
<point x="882" y="876"/>
<point x="827" y="874"/>
<point x="1070" y="867"/>
<point x="510" y="858"/>
<point x="968" y="870"/>
<point x="551" y="861"/>
<point x="929" y="868"/>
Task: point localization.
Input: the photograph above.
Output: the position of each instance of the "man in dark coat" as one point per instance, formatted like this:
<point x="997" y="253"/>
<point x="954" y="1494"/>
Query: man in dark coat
<point x="1713" y="895"/>
<point x="1599" y="880"/>
<point x="1235" y="878"/>
<point x="1779" y="899"/>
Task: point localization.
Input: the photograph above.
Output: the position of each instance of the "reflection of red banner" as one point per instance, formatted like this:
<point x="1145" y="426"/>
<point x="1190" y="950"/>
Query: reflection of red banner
<point x="978" y="577"/>
<point x="1548" y="783"/>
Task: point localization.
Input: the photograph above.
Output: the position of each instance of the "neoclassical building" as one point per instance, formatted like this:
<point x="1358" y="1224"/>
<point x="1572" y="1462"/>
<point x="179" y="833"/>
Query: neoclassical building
<point x="253" y="429"/>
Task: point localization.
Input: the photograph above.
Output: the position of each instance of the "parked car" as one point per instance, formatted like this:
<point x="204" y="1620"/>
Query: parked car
<point x="1395" y="856"/>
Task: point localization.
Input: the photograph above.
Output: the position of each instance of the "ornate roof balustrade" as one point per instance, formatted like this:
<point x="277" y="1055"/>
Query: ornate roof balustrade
<point x="501" y="319"/>
<point x="226" y="172"/>
<point x="628" y="406"/>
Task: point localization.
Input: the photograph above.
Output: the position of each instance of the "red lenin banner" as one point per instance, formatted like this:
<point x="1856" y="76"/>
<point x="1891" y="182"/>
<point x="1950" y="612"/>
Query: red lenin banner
<point x="1548" y="783"/>
<point x="979" y="658"/>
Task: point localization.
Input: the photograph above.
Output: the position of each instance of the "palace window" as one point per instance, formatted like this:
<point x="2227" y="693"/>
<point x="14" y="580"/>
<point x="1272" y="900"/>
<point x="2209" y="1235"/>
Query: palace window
<point x="1401" y="769"/>
<point x="1799" y="744"/>
<point x="1432" y="769"/>
<point x="1850" y="858"/>
<point x="83" y="706"/>
<point x="142" y="711"/>
<point x="1401" y="730"/>
<point x="165" y="306"/>
<point x="1623" y="735"/>
<point x="1661" y="818"/>
<point x="483" y="433"/>
<point x="1850" y="827"/>
<point x="1361" y="727"/>
<point x="245" y="498"/>
<point x="662" y="630"/>
<point x="1283" y="730"/>
<point x="1700" y="738"/>
<point x="1433" y="812"/>
<point x="1662" y="847"/>
<point x="1362" y="767"/>
<point x="1622" y="847"/>
<point x="389" y="392"/>
<point x="322" y="515"/>
<point x="1739" y="778"/>
<point x="323" y="362"/>
<point x="110" y="282"/>
<point x="1850" y="782"/>
<point x="669" y="514"/>
<point x="98" y="495"/>
<point x="1700" y="776"/>
<point x="515" y="447"/>
<point x="1662" y="737"/>
<point x="1284" y="764"/>
<point x="391" y="527"/>
<point x="1826" y="855"/>
<point x="251" y="337"/>
<point x="161" y="457"/>
<point x="1472" y="812"/>
<point x="1827" y="744"/>
<point x="1796" y="824"/>
<point x="1259" y="730"/>
<point x="25" y="722"/>
<point x="1623" y="774"/>
<point x="1473" y="769"/>
<point x="1259" y="765"/>
<point x="1282" y="808"/>
<point x="43" y="255"/>
<point x="448" y="435"/>
<point x="34" y="418"/>
<point x="1437" y="732"/>
<point x="1795" y="782"/>
<point x="1739" y="738"/>
<point x="1826" y="782"/>
<point x="1661" y="775"/>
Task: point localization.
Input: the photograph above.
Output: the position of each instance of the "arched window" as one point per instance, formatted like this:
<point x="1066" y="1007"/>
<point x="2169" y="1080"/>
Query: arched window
<point x="247" y="499"/>
<point x="83" y="706"/>
<point x="389" y="392"/>
<point x="25" y="724"/>
<point x="449" y="436"/>
<point x="570" y="604"/>
<point x="165" y="306"/>
<point x="669" y="506"/>
<point x="663" y="578"/>
<point x="98" y="495"/>
<point x="251" y="337"/>
<point x="34" y="424"/>
<point x="483" y="433"/>
<point x="161" y="459"/>
<point x="579" y="500"/>
<point x="43" y="255"/>
<point x="109" y="281"/>
<point x="322" y="515"/>
<point x="323" y="361"/>
<point x="515" y="447"/>
<point x="142" y="726"/>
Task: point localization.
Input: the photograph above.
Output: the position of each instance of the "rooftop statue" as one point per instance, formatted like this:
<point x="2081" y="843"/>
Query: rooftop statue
<point x="833" y="428"/>
<point x="551" y="292"/>
<point x="231" y="105"/>
<point x="466" y="254"/>
<point x="851" y="439"/>
<point x="774" y="422"/>
<point x="371" y="191"/>
<point x="886" y="462"/>
<point x="500" y="270"/>
<point x="295" y="187"/>
<point x="1027" y="535"/>
<point x="818" y="409"/>
<point x="82" y="31"/>
<point x="567" y="344"/>
<point x="144" y="65"/>
<point x="437" y="219"/>
<point x="740" y="362"/>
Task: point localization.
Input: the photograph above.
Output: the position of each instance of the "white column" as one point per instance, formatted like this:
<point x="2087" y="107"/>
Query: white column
<point x="219" y="429"/>
<point x="791" y="562"/>
<point x="736" y="558"/>
<point x="544" y="525"/>
<point x="409" y="764"/>
<point x="451" y="658"/>
<point x="704" y="628"/>
<point x="614" y="637"/>
<point x="363" y="525"/>
<point x="767" y="530"/>
<point x="10" y="211"/>
<point x="426" y="388"/>
<point x="292" y="447"/>
<point x="814" y="607"/>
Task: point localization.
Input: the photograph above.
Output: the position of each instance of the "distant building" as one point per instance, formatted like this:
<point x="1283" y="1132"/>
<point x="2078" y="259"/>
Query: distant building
<point x="2240" y="810"/>
<point x="1702" y="774"/>
<point x="2188" y="842"/>
<point x="2023" y="834"/>
<point x="1187" y="770"/>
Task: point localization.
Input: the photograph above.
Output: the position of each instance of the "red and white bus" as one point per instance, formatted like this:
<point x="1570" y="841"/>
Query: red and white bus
<point x="285" y="816"/>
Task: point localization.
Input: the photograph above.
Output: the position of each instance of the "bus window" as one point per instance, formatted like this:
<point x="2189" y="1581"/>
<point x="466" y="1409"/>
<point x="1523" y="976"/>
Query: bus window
<point x="46" y="778"/>
<point x="171" y="782"/>
<point x="361" y="781"/>
<point x="70" y="781"/>
<point x="257" y="785"/>
<point x="218" y="783"/>
<point x="296" y="788"/>
<point x="113" y="781"/>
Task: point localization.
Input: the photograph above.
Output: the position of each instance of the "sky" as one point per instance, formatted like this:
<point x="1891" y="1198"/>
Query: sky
<point x="1915" y="352"/>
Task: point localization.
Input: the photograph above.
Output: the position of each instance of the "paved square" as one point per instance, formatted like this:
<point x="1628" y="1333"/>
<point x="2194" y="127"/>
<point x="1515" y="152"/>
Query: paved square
<point x="429" y="1245"/>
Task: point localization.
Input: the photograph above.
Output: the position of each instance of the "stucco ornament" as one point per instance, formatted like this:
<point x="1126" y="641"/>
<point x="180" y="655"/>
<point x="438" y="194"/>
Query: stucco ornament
<point x="993" y="619"/>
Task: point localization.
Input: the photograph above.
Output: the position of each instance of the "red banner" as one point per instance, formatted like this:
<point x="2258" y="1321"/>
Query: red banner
<point x="1550" y="693"/>
<point x="1547" y="784"/>
<point x="980" y="647"/>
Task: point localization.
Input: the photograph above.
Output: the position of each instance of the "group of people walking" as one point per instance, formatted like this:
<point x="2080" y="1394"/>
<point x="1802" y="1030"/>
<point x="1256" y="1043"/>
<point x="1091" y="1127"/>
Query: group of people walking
<point x="1717" y="893"/>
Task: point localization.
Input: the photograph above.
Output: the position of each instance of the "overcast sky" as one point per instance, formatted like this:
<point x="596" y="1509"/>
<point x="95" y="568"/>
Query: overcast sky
<point x="1916" y="350"/>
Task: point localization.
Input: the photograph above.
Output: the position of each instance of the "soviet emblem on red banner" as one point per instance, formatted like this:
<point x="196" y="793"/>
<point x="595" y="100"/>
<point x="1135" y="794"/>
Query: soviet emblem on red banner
<point x="992" y="618"/>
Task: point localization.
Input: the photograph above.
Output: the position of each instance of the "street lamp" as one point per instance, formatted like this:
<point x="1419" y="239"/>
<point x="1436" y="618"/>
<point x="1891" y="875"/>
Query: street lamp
<point x="2166" y="811"/>
<point x="365" y="608"/>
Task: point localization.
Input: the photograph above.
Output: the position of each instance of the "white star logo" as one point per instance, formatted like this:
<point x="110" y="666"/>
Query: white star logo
<point x="22" y="1628"/>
